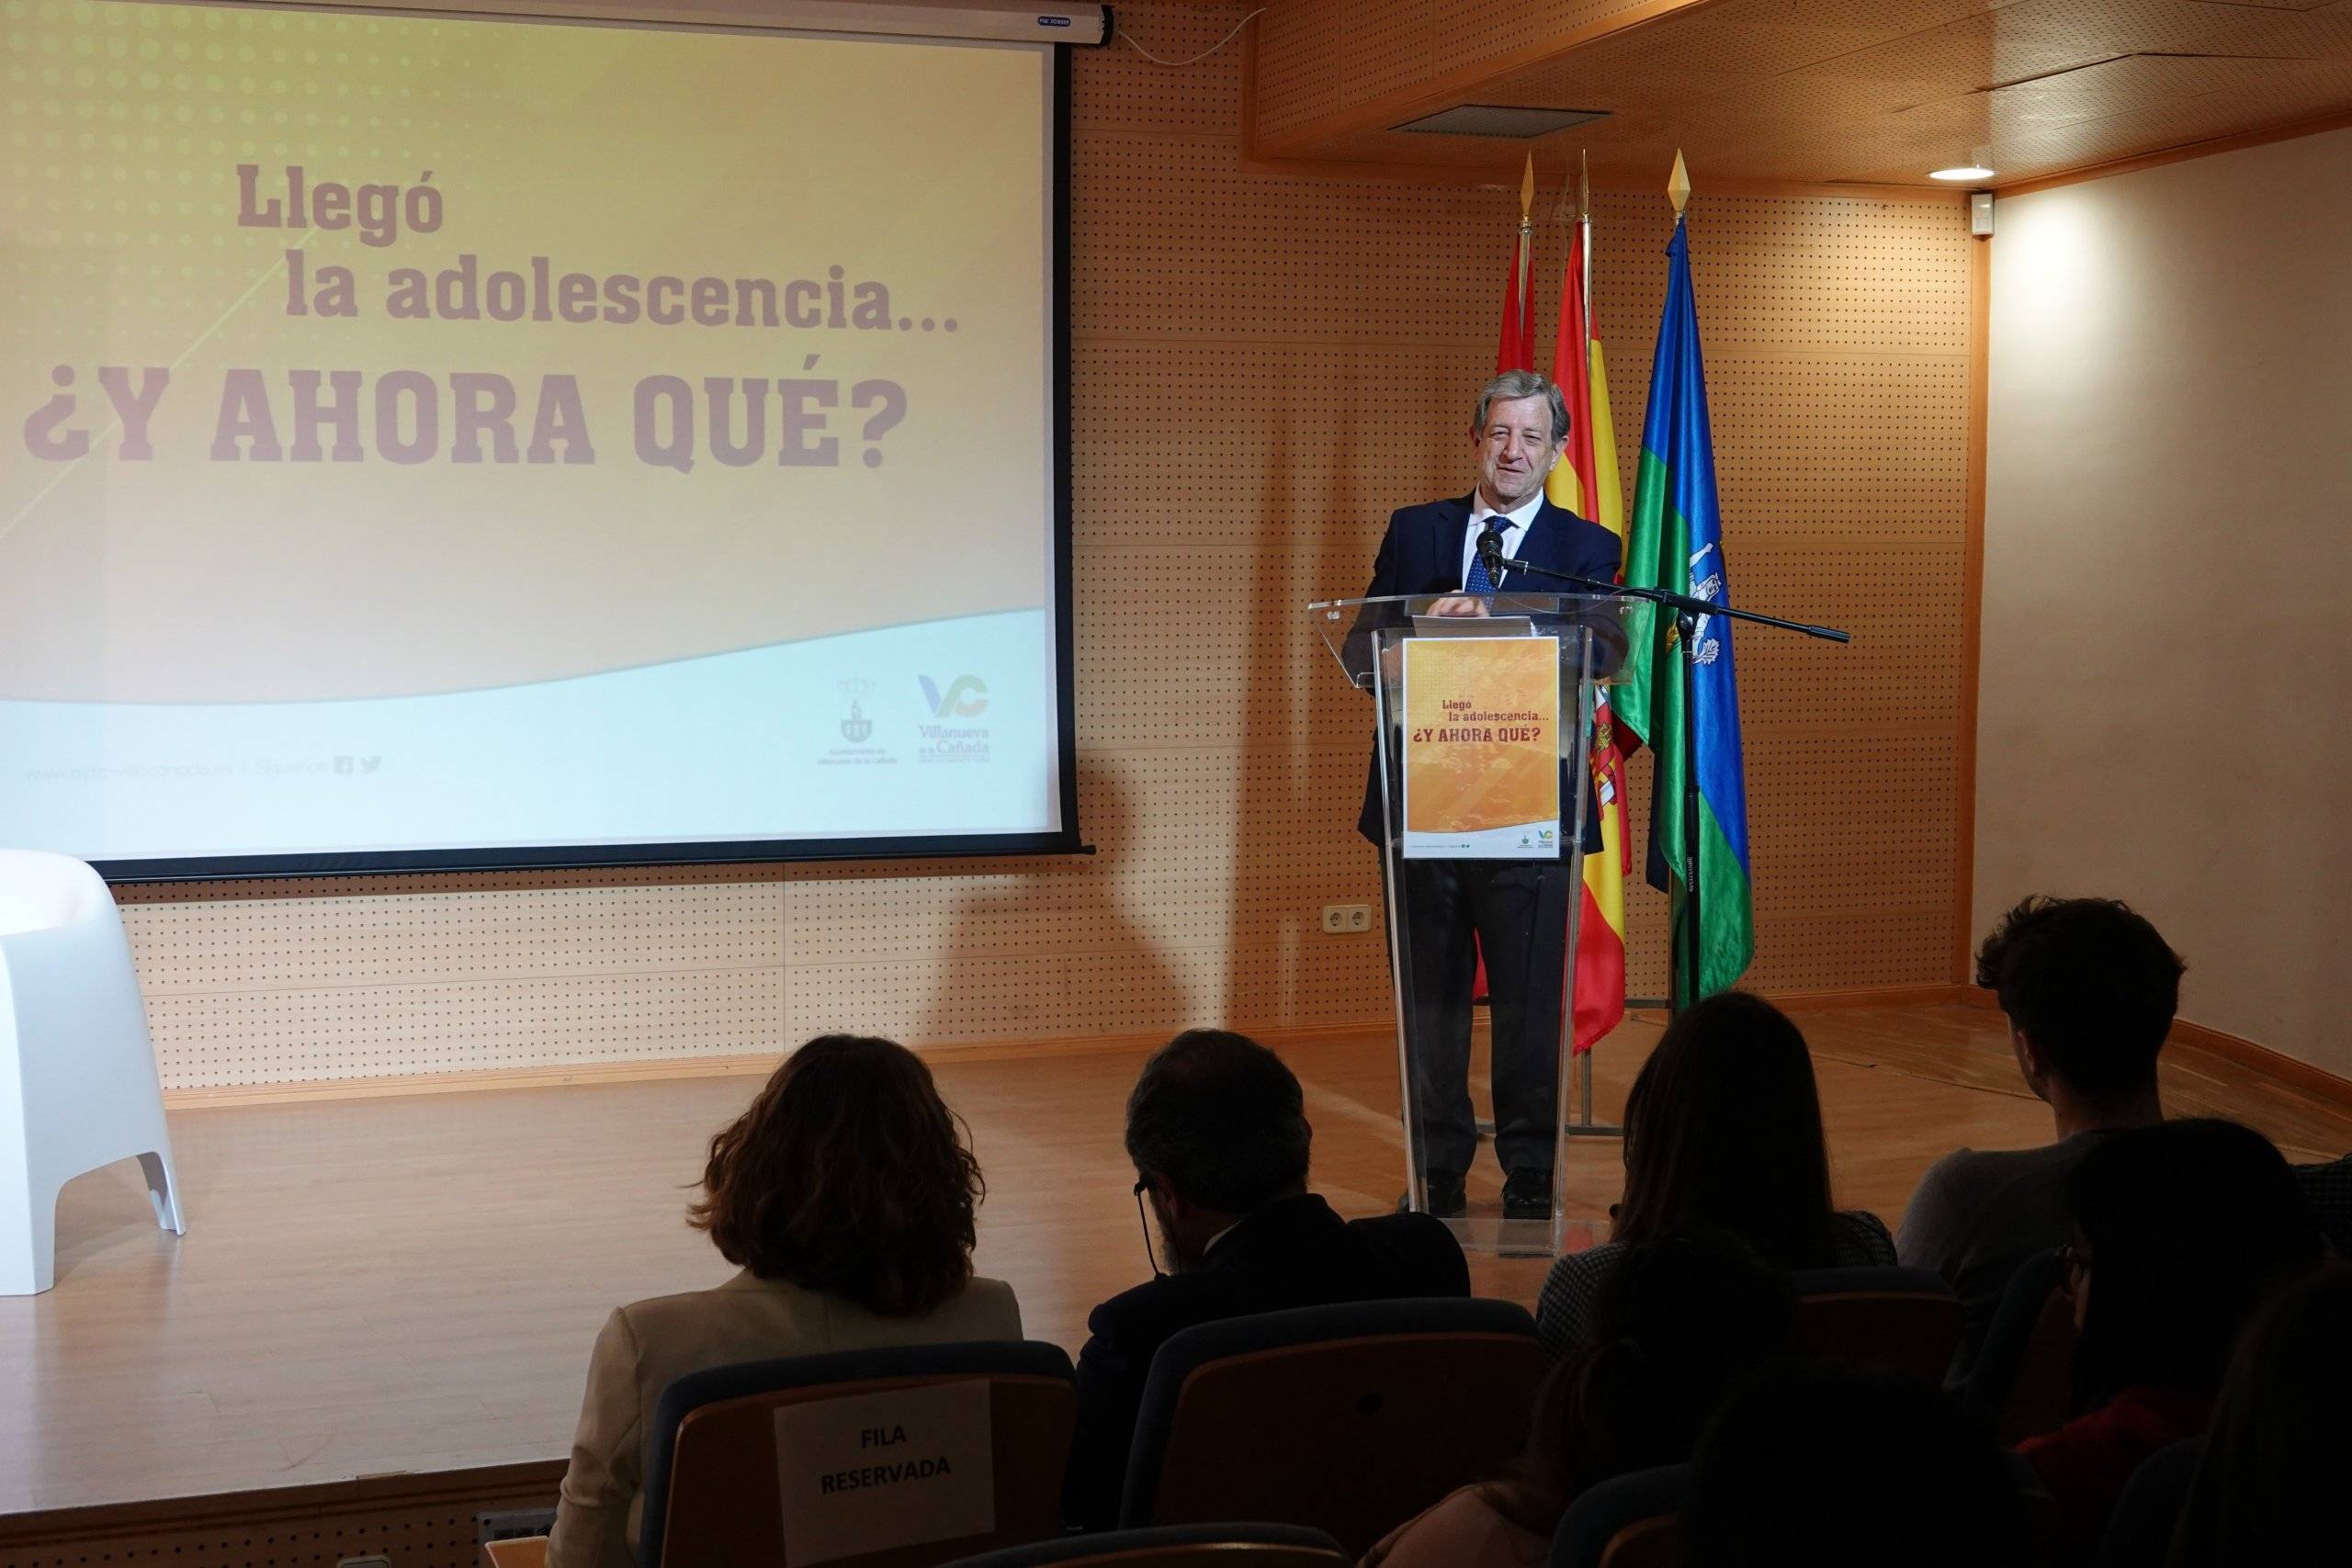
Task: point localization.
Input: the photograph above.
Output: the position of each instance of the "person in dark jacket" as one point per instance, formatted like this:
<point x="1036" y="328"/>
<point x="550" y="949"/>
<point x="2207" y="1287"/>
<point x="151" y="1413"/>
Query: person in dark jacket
<point x="1513" y="913"/>
<point x="1217" y="1131"/>
<point x="2180" y="1229"/>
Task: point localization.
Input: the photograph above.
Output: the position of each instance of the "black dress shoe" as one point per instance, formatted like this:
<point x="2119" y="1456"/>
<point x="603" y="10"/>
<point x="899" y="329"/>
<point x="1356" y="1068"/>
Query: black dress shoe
<point x="1527" y="1195"/>
<point x="1446" y="1199"/>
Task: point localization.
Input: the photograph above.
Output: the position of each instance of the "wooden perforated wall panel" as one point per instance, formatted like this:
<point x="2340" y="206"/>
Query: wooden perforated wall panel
<point x="412" y="1521"/>
<point x="1264" y="368"/>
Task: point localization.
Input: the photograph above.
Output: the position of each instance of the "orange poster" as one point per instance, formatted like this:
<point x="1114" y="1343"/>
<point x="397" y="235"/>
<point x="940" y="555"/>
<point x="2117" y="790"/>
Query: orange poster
<point x="1482" y="748"/>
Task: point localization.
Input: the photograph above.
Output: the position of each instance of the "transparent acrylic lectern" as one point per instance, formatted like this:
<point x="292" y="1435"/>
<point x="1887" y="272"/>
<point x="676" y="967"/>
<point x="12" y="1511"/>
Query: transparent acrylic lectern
<point x="1480" y="791"/>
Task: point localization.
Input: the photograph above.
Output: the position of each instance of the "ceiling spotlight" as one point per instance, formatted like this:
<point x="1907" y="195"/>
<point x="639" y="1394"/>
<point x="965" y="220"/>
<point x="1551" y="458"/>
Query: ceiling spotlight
<point x="1966" y="172"/>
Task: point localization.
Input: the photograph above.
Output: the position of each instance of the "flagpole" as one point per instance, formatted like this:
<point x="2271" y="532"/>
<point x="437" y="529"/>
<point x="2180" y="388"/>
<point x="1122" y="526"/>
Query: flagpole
<point x="1686" y="964"/>
<point x="1527" y="255"/>
<point x="1583" y="232"/>
<point x="1584" y="1127"/>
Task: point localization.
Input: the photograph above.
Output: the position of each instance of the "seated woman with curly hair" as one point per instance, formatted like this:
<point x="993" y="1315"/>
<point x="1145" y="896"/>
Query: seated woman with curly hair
<point x="846" y="1194"/>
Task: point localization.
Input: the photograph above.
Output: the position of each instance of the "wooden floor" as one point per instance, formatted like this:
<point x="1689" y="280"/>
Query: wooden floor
<point x="413" y="1283"/>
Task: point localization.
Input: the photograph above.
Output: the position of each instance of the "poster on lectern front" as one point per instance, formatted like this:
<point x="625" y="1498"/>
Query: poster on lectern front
<point x="1482" y="748"/>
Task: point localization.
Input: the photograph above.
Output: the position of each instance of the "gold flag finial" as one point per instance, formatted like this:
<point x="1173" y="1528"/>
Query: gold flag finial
<point x="1677" y="185"/>
<point x="1527" y="190"/>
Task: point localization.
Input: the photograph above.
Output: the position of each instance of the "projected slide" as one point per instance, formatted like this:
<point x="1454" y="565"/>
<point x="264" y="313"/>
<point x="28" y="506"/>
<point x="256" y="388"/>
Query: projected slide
<point x="439" y="442"/>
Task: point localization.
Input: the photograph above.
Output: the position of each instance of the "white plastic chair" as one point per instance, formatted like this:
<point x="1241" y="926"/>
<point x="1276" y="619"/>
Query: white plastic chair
<point x="78" y="1088"/>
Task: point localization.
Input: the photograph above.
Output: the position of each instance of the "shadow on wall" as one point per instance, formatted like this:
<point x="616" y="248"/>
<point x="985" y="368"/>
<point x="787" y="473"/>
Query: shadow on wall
<point x="1049" y="951"/>
<point x="1300" y="781"/>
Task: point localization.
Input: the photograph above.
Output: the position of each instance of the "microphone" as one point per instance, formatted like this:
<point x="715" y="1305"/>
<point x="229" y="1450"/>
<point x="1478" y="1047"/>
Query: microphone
<point x="1490" y="551"/>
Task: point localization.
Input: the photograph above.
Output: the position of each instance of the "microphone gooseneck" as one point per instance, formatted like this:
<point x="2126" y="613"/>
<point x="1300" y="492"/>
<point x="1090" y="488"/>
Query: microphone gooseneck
<point x="1490" y="551"/>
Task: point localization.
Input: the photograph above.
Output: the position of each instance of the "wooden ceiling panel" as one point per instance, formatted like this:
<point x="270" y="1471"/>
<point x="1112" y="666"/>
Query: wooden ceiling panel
<point x="2031" y="38"/>
<point x="1320" y="59"/>
<point x="2325" y="35"/>
<point x="1814" y="90"/>
<point x="2136" y="82"/>
<point x="1464" y="32"/>
<point x="2270" y="5"/>
<point x="2210" y="117"/>
<point x="1759" y="38"/>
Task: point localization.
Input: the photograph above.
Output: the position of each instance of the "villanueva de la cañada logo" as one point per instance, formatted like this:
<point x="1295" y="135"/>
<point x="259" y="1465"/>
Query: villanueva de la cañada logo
<point x="966" y="696"/>
<point x="857" y="728"/>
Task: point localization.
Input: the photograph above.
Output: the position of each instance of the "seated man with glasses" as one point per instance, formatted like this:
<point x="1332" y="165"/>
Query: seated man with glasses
<point x="1217" y="1129"/>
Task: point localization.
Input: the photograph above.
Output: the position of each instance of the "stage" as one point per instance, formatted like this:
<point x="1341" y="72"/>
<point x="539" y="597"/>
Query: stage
<point x="373" y="1287"/>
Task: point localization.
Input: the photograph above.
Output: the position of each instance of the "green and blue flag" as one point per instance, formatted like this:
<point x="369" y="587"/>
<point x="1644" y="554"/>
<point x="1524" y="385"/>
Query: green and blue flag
<point x="1675" y="542"/>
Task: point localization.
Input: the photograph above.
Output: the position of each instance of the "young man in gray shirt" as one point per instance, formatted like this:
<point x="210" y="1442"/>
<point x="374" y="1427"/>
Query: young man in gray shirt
<point x="2090" y="989"/>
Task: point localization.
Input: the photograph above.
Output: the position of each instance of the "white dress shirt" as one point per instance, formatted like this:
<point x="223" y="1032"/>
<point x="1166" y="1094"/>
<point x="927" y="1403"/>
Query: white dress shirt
<point x="1513" y="523"/>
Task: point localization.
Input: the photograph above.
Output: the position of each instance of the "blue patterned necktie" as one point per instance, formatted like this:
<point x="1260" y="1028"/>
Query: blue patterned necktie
<point x="1477" y="581"/>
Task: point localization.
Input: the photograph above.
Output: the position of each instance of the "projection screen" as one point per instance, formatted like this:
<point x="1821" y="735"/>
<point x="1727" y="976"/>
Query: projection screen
<point x="463" y="443"/>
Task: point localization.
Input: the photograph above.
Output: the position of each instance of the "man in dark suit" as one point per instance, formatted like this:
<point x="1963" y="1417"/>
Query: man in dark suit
<point x="1217" y="1129"/>
<point x="1516" y="910"/>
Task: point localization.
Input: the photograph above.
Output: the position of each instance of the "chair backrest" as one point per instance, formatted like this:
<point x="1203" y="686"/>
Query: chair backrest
<point x="38" y="890"/>
<point x="1904" y="1319"/>
<point x="1646" y="1543"/>
<point x="903" y="1456"/>
<point x="1626" y="1521"/>
<point x="1349" y="1418"/>
<point x="2138" y="1533"/>
<point x="2023" y="1381"/>
<point x="1176" y="1546"/>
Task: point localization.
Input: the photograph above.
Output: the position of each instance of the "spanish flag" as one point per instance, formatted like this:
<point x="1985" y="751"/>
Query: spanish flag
<point x="1586" y="484"/>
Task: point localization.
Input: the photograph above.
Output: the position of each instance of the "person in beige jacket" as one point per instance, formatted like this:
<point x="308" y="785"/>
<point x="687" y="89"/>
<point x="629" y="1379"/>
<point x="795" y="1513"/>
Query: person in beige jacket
<point x="847" y="1195"/>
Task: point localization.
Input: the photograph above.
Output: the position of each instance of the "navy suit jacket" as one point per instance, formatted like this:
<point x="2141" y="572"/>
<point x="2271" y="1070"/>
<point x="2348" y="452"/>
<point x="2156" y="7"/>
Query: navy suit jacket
<point x="1422" y="554"/>
<point x="1293" y="1252"/>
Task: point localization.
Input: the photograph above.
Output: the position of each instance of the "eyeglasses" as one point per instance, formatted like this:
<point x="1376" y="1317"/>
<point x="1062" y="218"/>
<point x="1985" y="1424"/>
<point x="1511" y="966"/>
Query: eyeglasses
<point x="1142" y="1185"/>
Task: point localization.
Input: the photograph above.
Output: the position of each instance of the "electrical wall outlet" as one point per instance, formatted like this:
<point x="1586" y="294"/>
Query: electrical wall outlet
<point x="1340" y="919"/>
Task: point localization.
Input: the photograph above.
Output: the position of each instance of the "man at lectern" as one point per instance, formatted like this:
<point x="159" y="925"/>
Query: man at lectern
<point x="1516" y="910"/>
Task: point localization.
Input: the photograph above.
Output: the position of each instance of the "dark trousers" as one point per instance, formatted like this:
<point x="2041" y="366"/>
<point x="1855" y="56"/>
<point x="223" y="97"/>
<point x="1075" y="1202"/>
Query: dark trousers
<point x="1519" y="912"/>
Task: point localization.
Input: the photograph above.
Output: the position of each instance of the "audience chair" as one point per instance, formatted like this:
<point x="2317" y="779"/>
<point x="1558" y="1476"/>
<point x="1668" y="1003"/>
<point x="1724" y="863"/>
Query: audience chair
<point x="78" y="1088"/>
<point x="1349" y="1418"/>
<point x="2022" y="1383"/>
<point x="1175" y="1546"/>
<point x="2138" y="1533"/>
<point x="1627" y="1521"/>
<point x="516" y="1551"/>
<point x="1905" y="1320"/>
<point x="2037" y="1512"/>
<point x="718" y="1469"/>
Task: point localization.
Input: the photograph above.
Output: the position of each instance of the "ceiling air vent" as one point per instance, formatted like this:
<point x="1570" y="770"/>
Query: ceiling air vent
<point x="1504" y="120"/>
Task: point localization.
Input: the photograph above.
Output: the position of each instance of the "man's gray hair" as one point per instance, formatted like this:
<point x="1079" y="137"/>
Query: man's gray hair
<point x="1512" y="385"/>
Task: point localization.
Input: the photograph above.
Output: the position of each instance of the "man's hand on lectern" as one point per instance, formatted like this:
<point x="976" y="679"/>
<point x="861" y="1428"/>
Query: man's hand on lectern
<point x="1392" y="660"/>
<point x="1461" y="604"/>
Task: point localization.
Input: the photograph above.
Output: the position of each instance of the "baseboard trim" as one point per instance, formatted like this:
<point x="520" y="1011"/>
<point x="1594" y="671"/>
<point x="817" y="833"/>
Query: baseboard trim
<point x="636" y="1071"/>
<point x="744" y="1064"/>
<point x="1865" y="997"/>
<point x="757" y="1063"/>
<point x="2238" y="1051"/>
